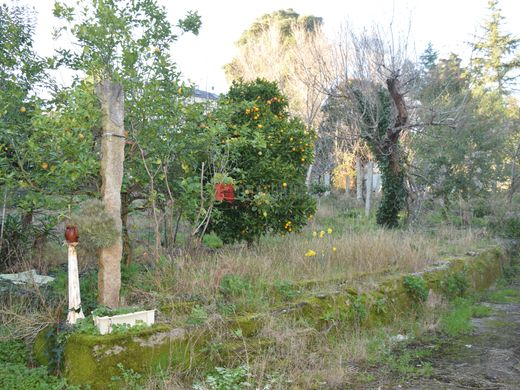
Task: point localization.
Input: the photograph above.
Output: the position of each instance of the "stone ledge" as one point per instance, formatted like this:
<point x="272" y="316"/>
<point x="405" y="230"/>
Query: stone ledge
<point x="93" y="360"/>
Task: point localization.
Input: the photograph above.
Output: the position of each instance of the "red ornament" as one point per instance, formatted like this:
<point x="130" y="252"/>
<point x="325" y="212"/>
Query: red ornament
<point x="219" y="192"/>
<point x="71" y="234"/>
<point x="229" y="195"/>
<point x="224" y="192"/>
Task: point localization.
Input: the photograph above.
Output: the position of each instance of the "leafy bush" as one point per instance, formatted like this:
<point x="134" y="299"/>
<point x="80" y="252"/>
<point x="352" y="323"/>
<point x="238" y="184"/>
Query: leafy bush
<point x="212" y="241"/>
<point x="269" y="154"/>
<point x="455" y="285"/>
<point x="13" y="351"/>
<point x="15" y="375"/>
<point x="416" y="288"/>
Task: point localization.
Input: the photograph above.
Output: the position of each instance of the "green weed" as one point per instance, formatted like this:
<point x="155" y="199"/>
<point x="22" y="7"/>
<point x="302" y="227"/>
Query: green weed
<point x="198" y="315"/>
<point x="458" y="320"/>
<point x="416" y="288"/>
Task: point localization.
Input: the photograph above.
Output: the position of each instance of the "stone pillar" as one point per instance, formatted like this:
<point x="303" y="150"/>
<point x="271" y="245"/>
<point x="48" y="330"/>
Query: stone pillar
<point x="112" y="158"/>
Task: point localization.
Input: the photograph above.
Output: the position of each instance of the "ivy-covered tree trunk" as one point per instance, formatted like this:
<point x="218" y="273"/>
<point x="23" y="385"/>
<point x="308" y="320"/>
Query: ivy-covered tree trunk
<point x="393" y="194"/>
<point x="383" y="121"/>
<point x="112" y="157"/>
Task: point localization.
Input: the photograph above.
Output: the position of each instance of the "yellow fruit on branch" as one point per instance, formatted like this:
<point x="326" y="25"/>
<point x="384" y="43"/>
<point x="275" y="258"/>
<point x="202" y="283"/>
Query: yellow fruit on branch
<point x="44" y="165"/>
<point x="22" y="109"/>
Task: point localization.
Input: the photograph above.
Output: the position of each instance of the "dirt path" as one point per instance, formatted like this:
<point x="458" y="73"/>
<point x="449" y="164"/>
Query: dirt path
<point x="488" y="358"/>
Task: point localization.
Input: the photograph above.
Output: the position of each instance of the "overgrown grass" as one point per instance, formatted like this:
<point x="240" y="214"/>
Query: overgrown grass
<point x="340" y="244"/>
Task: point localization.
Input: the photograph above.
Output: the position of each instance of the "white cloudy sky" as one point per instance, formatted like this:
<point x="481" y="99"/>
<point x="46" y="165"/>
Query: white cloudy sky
<point x="448" y="24"/>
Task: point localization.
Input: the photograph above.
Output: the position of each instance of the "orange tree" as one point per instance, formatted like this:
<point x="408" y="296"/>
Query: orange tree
<point x="269" y="154"/>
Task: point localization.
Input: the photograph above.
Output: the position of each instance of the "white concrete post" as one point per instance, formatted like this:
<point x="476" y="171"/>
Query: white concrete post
<point x="75" y="310"/>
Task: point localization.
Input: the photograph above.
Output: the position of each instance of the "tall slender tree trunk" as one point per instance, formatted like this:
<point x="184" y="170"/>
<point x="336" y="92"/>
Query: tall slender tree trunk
<point x="112" y="158"/>
<point x="308" y="176"/>
<point x="513" y="186"/>
<point x="368" y="199"/>
<point x="359" y="179"/>
<point x="127" y="245"/>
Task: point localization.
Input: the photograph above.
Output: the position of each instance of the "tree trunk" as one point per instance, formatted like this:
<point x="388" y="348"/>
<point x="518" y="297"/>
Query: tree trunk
<point x="112" y="158"/>
<point x="513" y="186"/>
<point x="128" y="253"/>
<point x="308" y="176"/>
<point x="347" y="185"/>
<point x="359" y="179"/>
<point x="368" y="199"/>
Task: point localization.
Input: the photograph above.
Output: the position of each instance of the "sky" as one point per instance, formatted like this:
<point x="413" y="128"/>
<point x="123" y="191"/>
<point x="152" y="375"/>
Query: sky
<point x="449" y="24"/>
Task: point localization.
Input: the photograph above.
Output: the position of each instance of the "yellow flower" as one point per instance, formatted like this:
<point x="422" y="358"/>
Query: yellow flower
<point x="329" y="230"/>
<point x="333" y="249"/>
<point x="314" y="234"/>
<point x="322" y="233"/>
<point x="310" y="253"/>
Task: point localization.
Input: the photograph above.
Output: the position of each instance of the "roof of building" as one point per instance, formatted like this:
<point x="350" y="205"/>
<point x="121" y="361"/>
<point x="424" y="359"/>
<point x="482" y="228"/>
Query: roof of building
<point x="199" y="93"/>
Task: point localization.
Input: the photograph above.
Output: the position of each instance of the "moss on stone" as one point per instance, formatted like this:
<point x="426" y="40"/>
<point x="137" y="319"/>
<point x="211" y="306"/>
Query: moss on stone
<point x="93" y="360"/>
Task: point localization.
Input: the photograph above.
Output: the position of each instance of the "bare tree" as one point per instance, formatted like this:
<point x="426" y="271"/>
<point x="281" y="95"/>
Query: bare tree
<point x="370" y="74"/>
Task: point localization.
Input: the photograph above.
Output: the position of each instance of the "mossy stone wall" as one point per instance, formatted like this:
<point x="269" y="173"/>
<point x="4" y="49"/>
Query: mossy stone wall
<point x="93" y="360"/>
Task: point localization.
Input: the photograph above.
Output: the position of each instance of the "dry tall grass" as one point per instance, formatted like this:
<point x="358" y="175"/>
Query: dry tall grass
<point x="343" y="255"/>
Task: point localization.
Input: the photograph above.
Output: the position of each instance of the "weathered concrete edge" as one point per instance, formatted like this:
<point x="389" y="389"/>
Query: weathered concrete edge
<point x="94" y="360"/>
